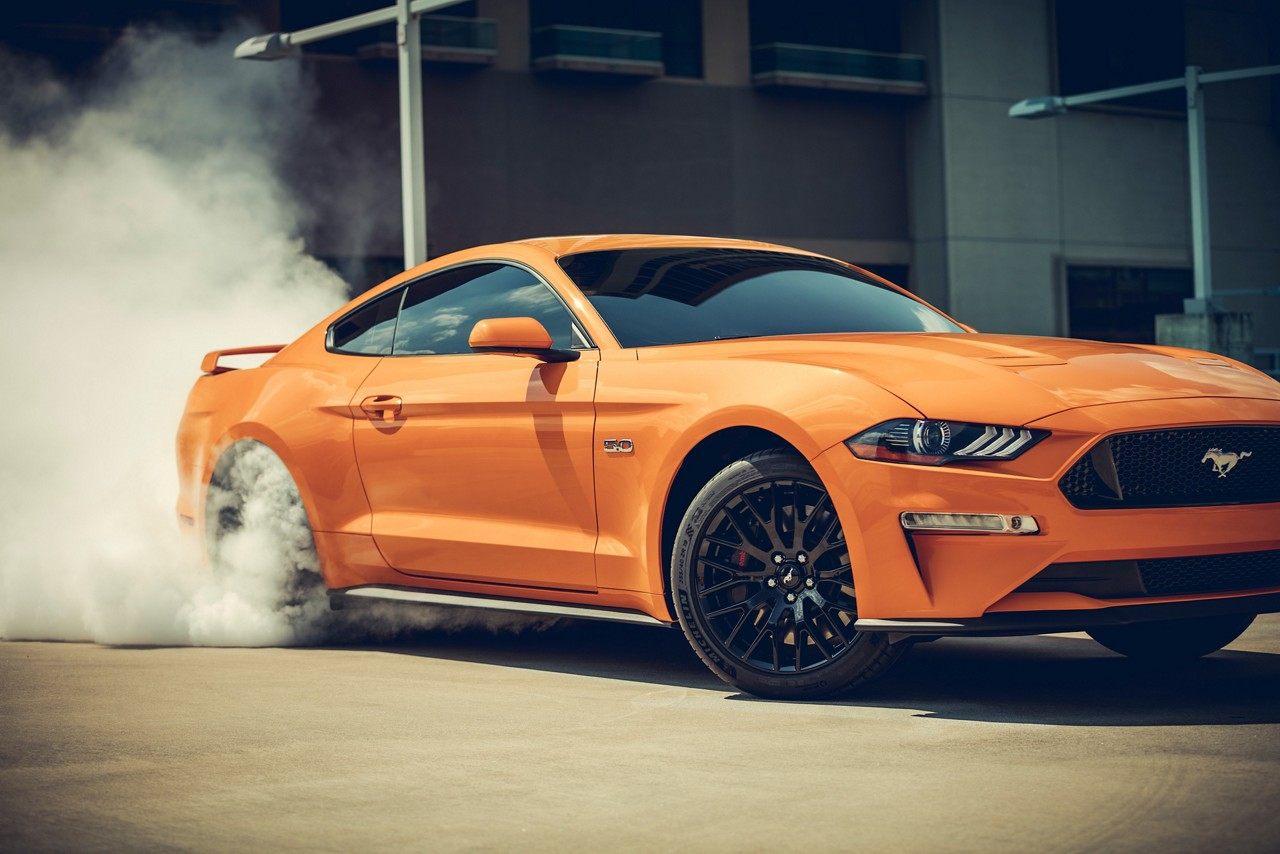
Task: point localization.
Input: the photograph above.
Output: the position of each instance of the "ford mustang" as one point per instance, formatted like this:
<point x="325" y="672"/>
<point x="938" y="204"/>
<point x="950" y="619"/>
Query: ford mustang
<point x="802" y="466"/>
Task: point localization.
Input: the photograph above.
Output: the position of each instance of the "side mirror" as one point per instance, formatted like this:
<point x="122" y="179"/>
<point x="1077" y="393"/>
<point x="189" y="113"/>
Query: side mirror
<point x="518" y="335"/>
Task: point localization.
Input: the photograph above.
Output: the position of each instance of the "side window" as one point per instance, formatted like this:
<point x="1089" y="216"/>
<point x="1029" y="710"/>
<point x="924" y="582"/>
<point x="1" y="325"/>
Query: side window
<point x="368" y="331"/>
<point x="440" y="311"/>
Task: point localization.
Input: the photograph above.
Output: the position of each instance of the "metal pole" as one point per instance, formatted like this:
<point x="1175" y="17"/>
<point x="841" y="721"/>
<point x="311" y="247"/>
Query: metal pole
<point x="413" y="190"/>
<point x="1201" y="262"/>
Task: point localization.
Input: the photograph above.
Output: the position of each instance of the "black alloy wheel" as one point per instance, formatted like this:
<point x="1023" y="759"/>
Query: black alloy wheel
<point x="764" y="586"/>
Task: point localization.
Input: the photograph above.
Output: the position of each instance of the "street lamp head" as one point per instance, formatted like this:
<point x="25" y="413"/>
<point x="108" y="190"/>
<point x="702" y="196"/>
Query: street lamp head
<point x="1038" y="108"/>
<point x="268" y="46"/>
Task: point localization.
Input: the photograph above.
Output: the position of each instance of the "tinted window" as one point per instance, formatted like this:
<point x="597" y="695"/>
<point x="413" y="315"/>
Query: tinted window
<point x="674" y="296"/>
<point x="369" y="330"/>
<point x="440" y="311"/>
<point x="1121" y="303"/>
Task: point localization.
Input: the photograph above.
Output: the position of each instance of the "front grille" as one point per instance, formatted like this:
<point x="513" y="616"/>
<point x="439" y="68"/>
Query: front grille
<point x="1178" y="468"/>
<point x="1124" y="579"/>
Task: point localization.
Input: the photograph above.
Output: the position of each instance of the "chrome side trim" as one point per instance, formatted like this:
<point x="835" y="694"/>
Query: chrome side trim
<point x="467" y="600"/>
<point x="872" y="625"/>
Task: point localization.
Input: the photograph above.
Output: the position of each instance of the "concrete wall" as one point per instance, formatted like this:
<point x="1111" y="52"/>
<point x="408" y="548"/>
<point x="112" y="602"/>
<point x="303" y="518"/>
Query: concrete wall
<point x="512" y="154"/>
<point x="999" y="207"/>
<point x="985" y="208"/>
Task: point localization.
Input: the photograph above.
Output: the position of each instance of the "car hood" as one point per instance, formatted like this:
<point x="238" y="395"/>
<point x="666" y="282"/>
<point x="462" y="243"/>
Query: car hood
<point x="1012" y="379"/>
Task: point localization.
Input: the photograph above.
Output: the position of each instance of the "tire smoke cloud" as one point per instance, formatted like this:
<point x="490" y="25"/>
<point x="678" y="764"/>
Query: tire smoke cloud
<point x="142" y="223"/>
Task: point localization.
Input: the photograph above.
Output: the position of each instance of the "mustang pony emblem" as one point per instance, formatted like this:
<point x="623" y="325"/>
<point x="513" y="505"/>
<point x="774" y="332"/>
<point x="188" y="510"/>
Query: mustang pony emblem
<point x="1223" y="463"/>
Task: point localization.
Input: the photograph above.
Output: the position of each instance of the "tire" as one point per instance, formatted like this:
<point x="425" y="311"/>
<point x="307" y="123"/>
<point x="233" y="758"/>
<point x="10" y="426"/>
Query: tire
<point x="737" y="559"/>
<point x="257" y="535"/>
<point x="1173" y="640"/>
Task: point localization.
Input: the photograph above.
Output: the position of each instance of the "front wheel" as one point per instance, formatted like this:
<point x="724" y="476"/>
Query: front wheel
<point x="763" y="585"/>
<point x="1173" y="640"/>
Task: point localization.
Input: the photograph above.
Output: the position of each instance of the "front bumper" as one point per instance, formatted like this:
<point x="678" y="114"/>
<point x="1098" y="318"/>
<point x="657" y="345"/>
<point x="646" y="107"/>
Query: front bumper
<point x="970" y="581"/>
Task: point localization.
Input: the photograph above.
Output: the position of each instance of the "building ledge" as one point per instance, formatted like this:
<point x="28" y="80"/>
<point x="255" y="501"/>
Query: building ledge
<point x="562" y="47"/>
<point x="785" y="65"/>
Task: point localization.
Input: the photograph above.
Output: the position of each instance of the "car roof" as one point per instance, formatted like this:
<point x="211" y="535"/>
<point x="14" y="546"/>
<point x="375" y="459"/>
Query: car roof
<point x="572" y="244"/>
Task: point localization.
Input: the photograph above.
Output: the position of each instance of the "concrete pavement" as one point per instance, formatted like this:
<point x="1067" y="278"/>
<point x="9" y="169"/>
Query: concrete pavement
<point x="589" y="735"/>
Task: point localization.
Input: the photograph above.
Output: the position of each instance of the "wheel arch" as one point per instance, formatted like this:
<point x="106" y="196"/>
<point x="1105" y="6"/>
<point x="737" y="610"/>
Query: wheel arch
<point x="707" y="457"/>
<point x="260" y="434"/>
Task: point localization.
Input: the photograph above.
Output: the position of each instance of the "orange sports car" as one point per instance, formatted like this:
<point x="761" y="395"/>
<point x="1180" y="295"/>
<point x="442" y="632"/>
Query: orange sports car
<point x="802" y="465"/>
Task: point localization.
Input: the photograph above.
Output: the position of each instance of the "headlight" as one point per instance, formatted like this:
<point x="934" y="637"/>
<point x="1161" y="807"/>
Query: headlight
<point x="935" y="443"/>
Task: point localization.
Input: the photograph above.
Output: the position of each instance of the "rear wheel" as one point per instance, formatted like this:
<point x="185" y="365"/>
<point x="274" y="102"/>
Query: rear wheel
<point x="1173" y="640"/>
<point x="763" y="584"/>
<point x="258" y="538"/>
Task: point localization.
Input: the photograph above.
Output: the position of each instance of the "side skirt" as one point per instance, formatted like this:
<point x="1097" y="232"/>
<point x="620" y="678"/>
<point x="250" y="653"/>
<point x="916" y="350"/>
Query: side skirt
<point x="342" y="598"/>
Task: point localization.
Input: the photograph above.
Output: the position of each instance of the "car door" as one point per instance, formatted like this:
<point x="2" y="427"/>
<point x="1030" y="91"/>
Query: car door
<point x="478" y="466"/>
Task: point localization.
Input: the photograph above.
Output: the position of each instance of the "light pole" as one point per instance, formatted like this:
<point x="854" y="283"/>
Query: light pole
<point x="1192" y="82"/>
<point x="406" y="15"/>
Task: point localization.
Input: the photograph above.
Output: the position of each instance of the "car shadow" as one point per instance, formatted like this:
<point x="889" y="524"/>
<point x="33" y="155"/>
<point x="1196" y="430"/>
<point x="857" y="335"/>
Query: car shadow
<point x="1059" y="680"/>
<point x="603" y="650"/>
<point x="1073" y="681"/>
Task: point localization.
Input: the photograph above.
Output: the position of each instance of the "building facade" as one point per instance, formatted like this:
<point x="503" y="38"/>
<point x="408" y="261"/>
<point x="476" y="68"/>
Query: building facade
<point x="873" y="131"/>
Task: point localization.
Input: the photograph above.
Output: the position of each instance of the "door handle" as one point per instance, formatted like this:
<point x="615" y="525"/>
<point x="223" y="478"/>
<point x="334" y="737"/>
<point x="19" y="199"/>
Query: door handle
<point x="383" y="406"/>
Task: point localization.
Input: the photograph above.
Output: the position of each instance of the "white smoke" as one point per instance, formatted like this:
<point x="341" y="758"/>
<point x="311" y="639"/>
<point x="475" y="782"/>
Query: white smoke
<point x="142" y="223"/>
<point x="261" y="553"/>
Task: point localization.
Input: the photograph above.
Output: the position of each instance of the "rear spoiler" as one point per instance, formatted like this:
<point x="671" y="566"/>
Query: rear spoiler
<point x="210" y="364"/>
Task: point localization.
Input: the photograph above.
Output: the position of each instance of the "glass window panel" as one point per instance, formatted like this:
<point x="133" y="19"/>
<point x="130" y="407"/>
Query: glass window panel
<point x="1121" y="303"/>
<point x="440" y="311"/>
<point x="673" y="296"/>
<point x="370" y="330"/>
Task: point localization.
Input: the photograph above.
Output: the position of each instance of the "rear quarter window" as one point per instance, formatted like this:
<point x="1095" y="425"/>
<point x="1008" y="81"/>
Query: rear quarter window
<point x="369" y="330"/>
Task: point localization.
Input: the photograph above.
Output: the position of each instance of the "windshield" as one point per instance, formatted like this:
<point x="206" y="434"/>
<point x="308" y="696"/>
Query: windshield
<point x="680" y="295"/>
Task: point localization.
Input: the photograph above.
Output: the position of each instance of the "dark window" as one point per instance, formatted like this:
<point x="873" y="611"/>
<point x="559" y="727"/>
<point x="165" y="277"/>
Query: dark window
<point x="1121" y="303"/>
<point x="679" y="21"/>
<point x="675" y="296"/>
<point x="440" y="311"/>
<point x="859" y="24"/>
<point x="1103" y="44"/>
<point x="368" y="331"/>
